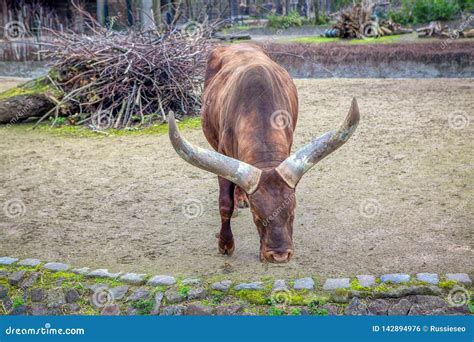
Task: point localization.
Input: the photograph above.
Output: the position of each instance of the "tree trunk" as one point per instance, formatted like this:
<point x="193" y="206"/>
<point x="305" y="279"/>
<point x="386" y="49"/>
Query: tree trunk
<point x="157" y="13"/>
<point x="146" y="14"/>
<point x="100" y="11"/>
<point x="316" y="12"/>
<point x="17" y="108"/>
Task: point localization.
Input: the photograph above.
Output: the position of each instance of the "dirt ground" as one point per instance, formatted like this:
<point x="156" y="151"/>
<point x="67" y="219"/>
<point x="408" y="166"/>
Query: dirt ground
<point x="396" y="198"/>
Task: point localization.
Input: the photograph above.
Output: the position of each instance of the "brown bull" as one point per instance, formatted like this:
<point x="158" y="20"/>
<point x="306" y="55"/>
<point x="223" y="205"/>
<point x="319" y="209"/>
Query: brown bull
<point x="250" y="109"/>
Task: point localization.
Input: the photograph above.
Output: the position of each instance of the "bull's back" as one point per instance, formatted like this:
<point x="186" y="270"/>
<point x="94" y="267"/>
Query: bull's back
<point x="243" y="86"/>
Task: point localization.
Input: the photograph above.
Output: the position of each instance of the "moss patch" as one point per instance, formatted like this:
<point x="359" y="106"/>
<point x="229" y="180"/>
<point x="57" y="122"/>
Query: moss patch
<point x="83" y="132"/>
<point x="382" y="287"/>
<point x="37" y="86"/>
<point x="258" y="297"/>
<point x="356" y="286"/>
<point x="447" y="284"/>
<point x="110" y="282"/>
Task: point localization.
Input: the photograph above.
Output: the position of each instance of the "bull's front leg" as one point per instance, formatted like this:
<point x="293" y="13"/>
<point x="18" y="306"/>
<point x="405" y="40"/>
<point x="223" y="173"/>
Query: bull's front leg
<point x="226" y="208"/>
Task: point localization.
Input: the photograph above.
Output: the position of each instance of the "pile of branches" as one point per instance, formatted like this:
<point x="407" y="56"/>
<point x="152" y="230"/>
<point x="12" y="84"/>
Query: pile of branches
<point x="112" y="79"/>
<point x="359" y="22"/>
<point x="351" y="21"/>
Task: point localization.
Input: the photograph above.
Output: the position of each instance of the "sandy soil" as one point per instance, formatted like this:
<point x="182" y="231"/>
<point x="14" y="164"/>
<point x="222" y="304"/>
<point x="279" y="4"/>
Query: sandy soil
<point x="396" y="197"/>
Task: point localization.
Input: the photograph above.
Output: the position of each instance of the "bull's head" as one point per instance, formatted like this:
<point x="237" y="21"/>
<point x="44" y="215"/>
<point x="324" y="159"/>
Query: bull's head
<point x="271" y="193"/>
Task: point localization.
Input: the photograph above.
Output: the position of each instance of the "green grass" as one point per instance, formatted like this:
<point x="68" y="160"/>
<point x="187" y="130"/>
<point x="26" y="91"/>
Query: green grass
<point x="381" y="40"/>
<point x="295" y="312"/>
<point x="319" y="40"/>
<point x="184" y="290"/>
<point x="313" y="40"/>
<point x="84" y="132"/>
<point x="49" y="279"/>
<point x="215" y="298"/>
<point x="275" y="311"/>
<point x="18" y="301"/>
<point x="143" y="306"/>
<point x="315" y="308"/>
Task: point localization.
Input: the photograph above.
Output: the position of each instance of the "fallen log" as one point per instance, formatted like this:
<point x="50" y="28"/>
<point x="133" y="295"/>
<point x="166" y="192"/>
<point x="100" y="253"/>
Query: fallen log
<point x="434" y="29"/>
<point x="468" y="33"/>
<point x="32" y="99"/>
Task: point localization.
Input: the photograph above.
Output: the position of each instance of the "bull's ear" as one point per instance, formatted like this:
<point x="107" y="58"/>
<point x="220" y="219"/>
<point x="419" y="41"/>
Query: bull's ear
<point x="296" y="165"/>
<point x="244" y="175"/>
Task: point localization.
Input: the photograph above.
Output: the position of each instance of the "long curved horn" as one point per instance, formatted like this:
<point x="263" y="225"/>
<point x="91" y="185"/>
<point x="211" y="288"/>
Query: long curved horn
<point x="295" y="166"/>
<point x="244" y="175"/>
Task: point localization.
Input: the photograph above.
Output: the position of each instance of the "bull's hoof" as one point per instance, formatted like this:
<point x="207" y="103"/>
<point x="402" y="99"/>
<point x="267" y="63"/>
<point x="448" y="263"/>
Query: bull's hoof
<point x="225" y="247"/>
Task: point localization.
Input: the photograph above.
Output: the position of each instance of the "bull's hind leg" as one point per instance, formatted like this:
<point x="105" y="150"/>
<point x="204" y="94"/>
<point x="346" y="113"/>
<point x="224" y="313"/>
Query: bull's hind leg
<point x="226" y="208"/>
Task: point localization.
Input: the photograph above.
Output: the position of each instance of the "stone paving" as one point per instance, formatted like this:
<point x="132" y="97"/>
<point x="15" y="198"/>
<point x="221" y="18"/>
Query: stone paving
<point x="33" y="287"/>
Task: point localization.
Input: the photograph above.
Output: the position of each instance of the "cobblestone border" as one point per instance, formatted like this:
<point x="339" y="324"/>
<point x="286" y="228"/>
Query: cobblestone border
<point x="32" y="287"/>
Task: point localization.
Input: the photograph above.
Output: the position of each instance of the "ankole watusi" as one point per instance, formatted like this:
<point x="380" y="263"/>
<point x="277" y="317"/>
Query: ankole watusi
<point x="249" y="114"/>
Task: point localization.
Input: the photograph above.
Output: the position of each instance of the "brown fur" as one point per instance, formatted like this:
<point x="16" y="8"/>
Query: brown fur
<point x="243" y="88"/>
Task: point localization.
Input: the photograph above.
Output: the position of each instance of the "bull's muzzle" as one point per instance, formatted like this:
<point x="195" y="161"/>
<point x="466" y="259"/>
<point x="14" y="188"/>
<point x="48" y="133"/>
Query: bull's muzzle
<point x="278" y="256"/>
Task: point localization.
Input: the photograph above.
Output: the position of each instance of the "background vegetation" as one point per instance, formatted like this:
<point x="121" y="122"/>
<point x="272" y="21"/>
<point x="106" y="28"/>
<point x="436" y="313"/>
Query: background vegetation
<point x="424" y="11"/>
